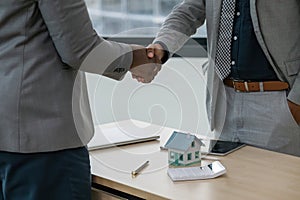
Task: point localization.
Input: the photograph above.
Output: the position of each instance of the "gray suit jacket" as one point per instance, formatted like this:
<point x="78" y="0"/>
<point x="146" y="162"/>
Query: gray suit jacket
<point x="277" y="27"/>
<point x="45" y="45"/>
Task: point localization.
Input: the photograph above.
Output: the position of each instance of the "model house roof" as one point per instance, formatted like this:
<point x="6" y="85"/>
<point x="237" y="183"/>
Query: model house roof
<point x="181" y="141"/>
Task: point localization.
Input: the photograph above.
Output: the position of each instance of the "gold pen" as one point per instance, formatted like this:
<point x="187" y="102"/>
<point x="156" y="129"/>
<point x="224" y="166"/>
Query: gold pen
<point x="140" y="168"/>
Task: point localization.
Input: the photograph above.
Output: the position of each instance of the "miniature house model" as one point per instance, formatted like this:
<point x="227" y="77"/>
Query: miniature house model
<point x="184" y="149"/>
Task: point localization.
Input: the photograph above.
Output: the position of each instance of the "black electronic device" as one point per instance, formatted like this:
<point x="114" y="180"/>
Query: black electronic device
<point x="219" y="147"/>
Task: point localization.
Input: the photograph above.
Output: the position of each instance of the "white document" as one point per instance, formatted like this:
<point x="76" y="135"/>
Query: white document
<point x="212" y="170"/>
<point x="116" y="136"/>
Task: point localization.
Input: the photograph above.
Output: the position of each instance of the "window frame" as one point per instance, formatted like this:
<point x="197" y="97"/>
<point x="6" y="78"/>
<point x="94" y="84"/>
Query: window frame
<point x="172" y="155"/>
<point x="189" y="156"/>
<point x="180" y="157"/>
<point x="197" y="155"/>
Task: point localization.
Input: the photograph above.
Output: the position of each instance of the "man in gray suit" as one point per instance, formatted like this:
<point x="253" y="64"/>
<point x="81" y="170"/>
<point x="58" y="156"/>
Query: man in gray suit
<point x="45" y="119"/>
<point x="253" y="84"/>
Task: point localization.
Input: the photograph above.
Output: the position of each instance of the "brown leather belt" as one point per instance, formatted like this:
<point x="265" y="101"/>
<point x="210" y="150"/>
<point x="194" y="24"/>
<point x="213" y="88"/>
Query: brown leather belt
<point x="242" y="86"/>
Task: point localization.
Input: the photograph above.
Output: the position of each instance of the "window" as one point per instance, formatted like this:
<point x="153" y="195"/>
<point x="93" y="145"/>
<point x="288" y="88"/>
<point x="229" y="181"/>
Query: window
<point x="111" y="5"/>
<point x="142" y="7"/>
<point x="197" y="154"/>
<point x="115" y="17"/>
<point x="189" y="156"/>
<point x="172" y="155"/>
<point x="181" y="157"/>
<point x="193" y="144"/>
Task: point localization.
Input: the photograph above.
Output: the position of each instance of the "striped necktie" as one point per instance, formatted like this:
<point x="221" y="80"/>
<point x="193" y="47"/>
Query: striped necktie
<point x="223" y="53"/>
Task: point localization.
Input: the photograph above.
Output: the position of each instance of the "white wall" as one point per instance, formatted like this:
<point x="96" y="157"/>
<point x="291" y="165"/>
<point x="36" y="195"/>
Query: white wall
<point x="174" y="99"/>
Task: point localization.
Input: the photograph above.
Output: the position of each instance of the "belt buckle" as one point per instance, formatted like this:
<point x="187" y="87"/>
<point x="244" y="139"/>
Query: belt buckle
<point x="247" y="87"/>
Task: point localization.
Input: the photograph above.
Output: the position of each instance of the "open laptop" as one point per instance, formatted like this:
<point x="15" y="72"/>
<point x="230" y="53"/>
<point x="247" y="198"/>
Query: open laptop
<point x="117" y="136"/>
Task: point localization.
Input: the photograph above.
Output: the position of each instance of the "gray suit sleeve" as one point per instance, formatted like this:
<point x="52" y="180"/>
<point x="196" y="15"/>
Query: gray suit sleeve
<point x="78" y="44"/>
<point x="181" y="24"/>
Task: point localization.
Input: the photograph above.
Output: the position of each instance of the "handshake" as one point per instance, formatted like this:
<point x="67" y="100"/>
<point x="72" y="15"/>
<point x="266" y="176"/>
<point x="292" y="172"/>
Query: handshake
<point x="146" y="62"/>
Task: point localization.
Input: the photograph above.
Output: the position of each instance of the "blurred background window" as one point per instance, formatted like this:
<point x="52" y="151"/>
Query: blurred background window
<point x="116" y="17"/>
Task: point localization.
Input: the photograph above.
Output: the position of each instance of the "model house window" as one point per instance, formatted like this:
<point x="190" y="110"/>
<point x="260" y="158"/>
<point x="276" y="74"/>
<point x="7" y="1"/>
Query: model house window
<point x="181" y="157"/>
<point x="172" y="155"/>
<point x="189" y="156"/>
<point x="193" y="144"/>
<point x="196" y="154"/>
<point x="121" y="17"/>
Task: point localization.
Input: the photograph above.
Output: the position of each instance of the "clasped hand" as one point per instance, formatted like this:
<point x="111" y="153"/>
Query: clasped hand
<point x="146" y="63"/>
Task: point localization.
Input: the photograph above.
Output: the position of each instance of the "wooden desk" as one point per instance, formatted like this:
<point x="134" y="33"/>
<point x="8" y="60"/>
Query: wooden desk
<point x="252" y="173"/>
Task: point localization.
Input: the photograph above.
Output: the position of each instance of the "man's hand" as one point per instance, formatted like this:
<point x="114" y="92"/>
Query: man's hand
<point x="143" y="68"/>
<point x="295" y="110"/>
<point x="155" y="50"/>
